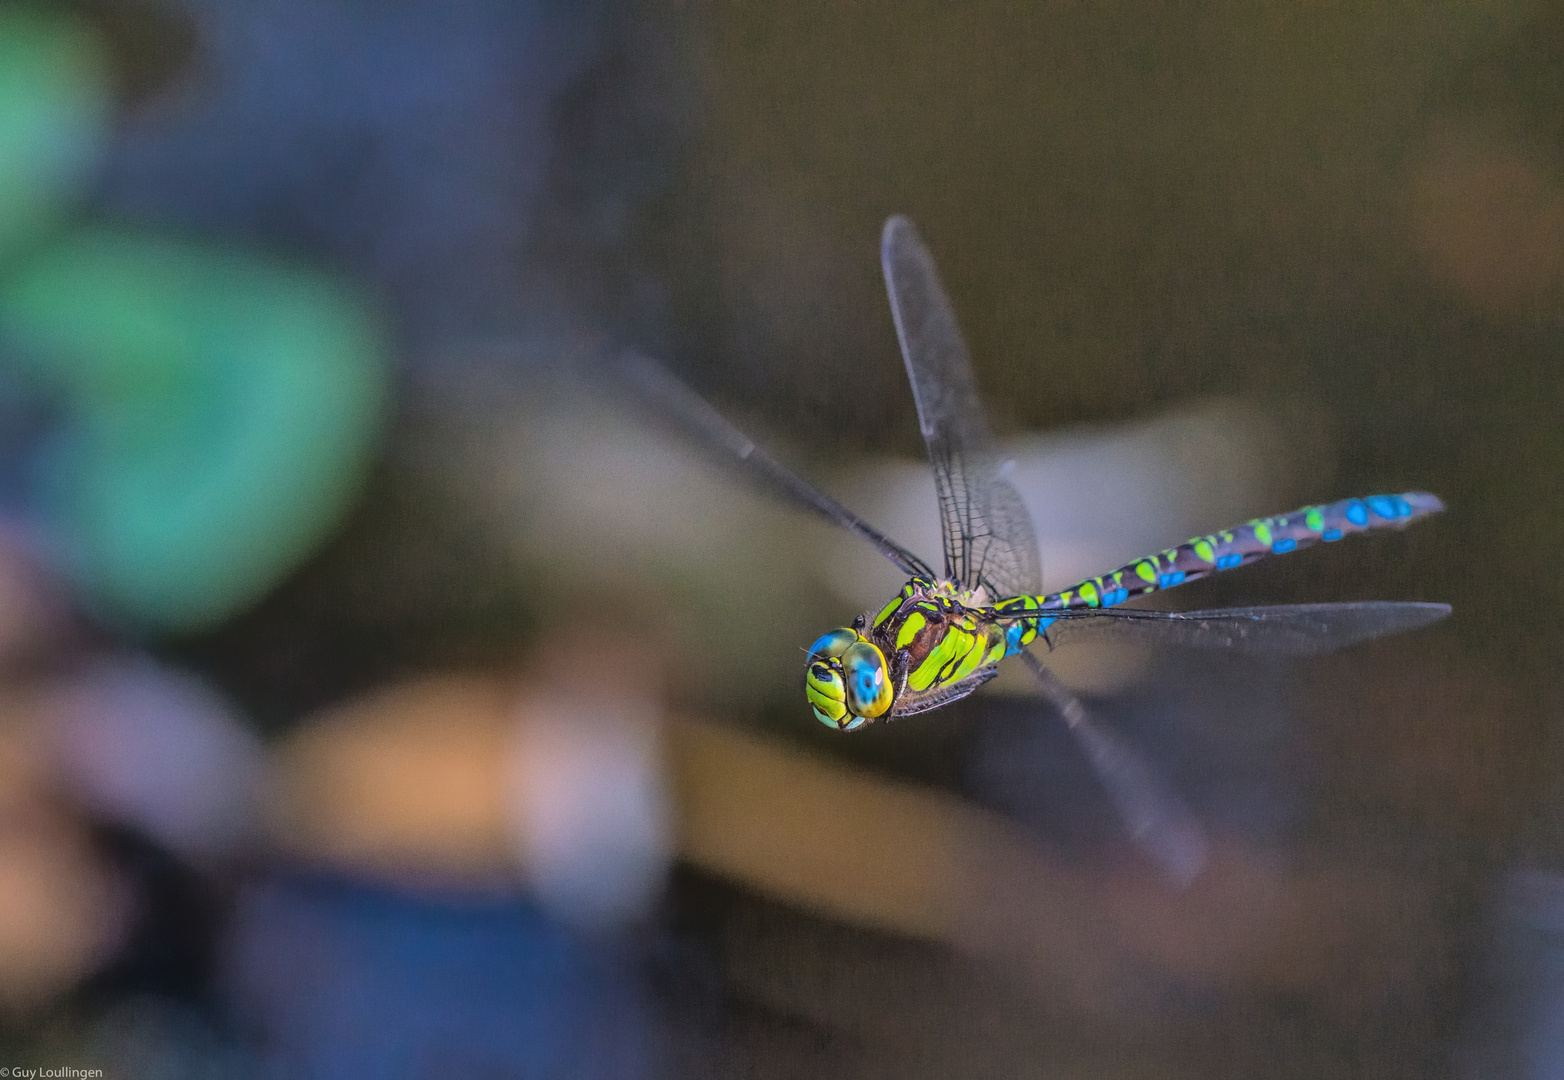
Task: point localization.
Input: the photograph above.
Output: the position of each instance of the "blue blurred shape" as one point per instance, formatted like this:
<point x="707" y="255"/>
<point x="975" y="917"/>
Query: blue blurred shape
<point x="1516" y="1027"/>
<point x="347" y="981"/>
<point x="406" y="143"/>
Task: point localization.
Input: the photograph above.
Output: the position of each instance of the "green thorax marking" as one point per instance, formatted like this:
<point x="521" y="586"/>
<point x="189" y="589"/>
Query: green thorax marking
<point x="944" y="639"/>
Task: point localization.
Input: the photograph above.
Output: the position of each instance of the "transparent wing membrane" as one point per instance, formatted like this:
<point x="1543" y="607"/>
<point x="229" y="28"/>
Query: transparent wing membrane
<point x="656" y="383"/>
<point x="989" y="540"/>
<point x="1157" y="819"/>
<point x="1278" y="630"/>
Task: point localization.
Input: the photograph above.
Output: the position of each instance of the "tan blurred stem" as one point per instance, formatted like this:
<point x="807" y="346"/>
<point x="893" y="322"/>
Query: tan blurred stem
<point x="864" y="849"/>
<point x="882" y="854"/>
<point x="410" y="782"/>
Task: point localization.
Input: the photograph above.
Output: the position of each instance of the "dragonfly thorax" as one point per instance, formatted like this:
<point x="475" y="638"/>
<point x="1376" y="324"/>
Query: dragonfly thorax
<point x="932" y="634"/>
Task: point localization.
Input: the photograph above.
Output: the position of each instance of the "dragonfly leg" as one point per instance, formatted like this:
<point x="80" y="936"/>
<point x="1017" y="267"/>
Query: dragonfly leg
<point x="1156" y="817"/>
<point x="924" y="700"/>
<point x="901" y="668"/>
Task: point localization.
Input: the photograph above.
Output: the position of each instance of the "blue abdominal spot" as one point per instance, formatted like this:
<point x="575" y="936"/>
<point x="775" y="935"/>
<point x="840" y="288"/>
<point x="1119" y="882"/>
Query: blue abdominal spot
<point x="1283" y="546"/>
<point x="1227" y="562"/>
<point x="1016" y="631"/>
<point x="1167" y="581"/>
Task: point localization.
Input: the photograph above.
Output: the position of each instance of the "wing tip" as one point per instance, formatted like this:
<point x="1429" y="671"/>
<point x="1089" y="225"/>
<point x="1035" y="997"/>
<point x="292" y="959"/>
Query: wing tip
<point x="898" y="228"/>
<point x="1420" y="613"/>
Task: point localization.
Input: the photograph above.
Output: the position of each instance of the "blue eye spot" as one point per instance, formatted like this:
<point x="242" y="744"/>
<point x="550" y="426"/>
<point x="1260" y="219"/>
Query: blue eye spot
<point x="868" y="690"/>
<point x="1282" y="547"/>
<point x="832" y="644"/>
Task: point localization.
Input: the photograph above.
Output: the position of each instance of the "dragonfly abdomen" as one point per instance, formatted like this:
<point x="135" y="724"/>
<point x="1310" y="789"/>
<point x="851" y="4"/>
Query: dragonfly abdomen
<point x="1225" y="550"/>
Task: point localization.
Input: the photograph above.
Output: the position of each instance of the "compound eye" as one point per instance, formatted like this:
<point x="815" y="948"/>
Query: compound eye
<point x="827" y="692"/>
<point x="868" y="680"/>
<point x="832" y="645"/>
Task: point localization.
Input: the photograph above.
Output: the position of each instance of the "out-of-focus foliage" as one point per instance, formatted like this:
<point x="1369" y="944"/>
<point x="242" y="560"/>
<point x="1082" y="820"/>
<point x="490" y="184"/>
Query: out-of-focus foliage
<point x="221" y="409"/>
<point x="54" y="111"/>
<point x="218" y="407"/>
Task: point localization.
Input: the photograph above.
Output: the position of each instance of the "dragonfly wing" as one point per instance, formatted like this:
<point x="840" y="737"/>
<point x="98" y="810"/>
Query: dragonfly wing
<point x="989" y="539"/>
<point x="1279" y="630"/>
<point x="656" y="383"/>
<point x="1156" y="817"/>
<point x="912" y="702"/>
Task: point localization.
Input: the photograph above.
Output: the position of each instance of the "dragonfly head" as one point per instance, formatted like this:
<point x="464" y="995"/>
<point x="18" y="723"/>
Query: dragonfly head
<point x="847" y="680"/>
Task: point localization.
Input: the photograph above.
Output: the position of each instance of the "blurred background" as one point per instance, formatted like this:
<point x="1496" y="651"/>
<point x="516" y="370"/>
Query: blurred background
<point x="386" y="692"/>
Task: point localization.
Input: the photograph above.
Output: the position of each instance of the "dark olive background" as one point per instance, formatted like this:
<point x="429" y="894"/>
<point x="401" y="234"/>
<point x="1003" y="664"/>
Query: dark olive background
<point x="1348" y="212"/>
<point x="1136" y="204"/>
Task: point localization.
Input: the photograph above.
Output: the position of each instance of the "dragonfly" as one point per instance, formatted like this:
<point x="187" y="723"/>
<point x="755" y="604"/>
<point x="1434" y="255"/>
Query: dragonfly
<point x="944" y="634"/>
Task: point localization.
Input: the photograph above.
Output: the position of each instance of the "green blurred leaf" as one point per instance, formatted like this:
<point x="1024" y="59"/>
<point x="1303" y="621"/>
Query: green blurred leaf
<point x="223" y="408"/>
<point x="54" y="110"/>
